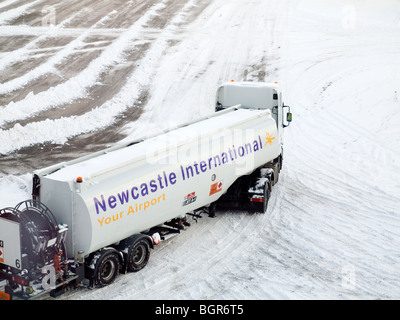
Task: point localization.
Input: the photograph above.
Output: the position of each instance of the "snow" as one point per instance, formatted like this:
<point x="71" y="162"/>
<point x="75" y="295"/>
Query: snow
<point x="9" y="15"/>
<point x="14" y="189"/>
<point x="332" y="227"/>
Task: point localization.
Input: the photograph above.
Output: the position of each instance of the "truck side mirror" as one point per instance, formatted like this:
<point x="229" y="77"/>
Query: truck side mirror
<point x="289" y="117"/>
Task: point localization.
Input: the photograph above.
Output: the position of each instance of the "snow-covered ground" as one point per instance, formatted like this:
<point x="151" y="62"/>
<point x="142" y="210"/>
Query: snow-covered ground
<point x="76" y="78"/>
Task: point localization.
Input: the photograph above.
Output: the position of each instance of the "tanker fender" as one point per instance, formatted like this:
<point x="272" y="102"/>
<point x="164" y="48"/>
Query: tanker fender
<point x="132" y="239"/>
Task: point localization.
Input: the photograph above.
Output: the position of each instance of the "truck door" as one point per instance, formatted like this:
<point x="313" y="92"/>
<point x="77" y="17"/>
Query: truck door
<point x="276" y="109"/>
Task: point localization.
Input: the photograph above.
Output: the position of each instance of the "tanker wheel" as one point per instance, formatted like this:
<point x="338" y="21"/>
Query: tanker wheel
<point x="139" y="255"/>
<point x="107" y="268"/>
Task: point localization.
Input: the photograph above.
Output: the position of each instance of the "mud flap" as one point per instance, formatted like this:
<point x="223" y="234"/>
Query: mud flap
<point x="259" y="193"/>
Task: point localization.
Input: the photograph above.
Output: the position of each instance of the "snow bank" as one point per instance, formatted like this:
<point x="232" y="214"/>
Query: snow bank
<point x="76" y="87"/>
<point x="15" y="189"/>
<point x="12" y="14"/>
<point x="64" y="128"/>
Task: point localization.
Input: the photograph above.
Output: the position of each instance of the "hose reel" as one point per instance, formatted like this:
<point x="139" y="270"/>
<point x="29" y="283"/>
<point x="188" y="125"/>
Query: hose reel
<point x="41" y="237"/>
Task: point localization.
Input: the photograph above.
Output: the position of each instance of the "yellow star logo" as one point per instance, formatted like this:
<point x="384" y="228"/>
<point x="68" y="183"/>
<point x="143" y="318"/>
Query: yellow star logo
<point x="269" y="139"/>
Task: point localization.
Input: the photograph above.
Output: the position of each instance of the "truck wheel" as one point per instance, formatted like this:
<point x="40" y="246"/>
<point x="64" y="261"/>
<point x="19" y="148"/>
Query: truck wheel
<point x="107" y="268"/>
<point x="261" y="207"/>
<point x="267" y="194"/>
<point x="138" y="256"/>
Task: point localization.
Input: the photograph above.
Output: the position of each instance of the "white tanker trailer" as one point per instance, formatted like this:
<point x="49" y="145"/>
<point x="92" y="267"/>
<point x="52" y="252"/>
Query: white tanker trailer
<point x="99" y="215"/>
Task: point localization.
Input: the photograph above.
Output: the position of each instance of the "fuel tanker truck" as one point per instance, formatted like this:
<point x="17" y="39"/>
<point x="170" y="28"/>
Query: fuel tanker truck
<point x="97" y="216"/>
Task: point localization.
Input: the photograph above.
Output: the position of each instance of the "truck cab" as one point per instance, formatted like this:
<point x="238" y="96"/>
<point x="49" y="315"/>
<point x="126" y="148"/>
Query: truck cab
<point x="254" y="95"/>
<point x="257" y="96"/>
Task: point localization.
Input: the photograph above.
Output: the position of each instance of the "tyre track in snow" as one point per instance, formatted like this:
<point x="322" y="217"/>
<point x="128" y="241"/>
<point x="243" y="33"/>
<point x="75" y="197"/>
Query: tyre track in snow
<point x="14" y="13"/>
<point x="355" y="210"/>
<point x="22" y="54"/>
<point x="359" y="143"/>
<point x="147" y="62"/>
<point x="349" y="233"/>
<point x="346" y="215"/>
<point x="285" y="245"/>
<point x="357" y="216"/>
<point x="213" y="53"/>
<point x="175" y="269"/>
<point x="77" y="87"/>
<point x="48" y="67"/>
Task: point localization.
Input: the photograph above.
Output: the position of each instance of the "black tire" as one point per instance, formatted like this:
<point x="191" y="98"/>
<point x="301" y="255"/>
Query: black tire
<point x="261" y="207"/>
<point x="107" y="268"/>
<point x="267" y="195"/>
<point x="138" y="255"/>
